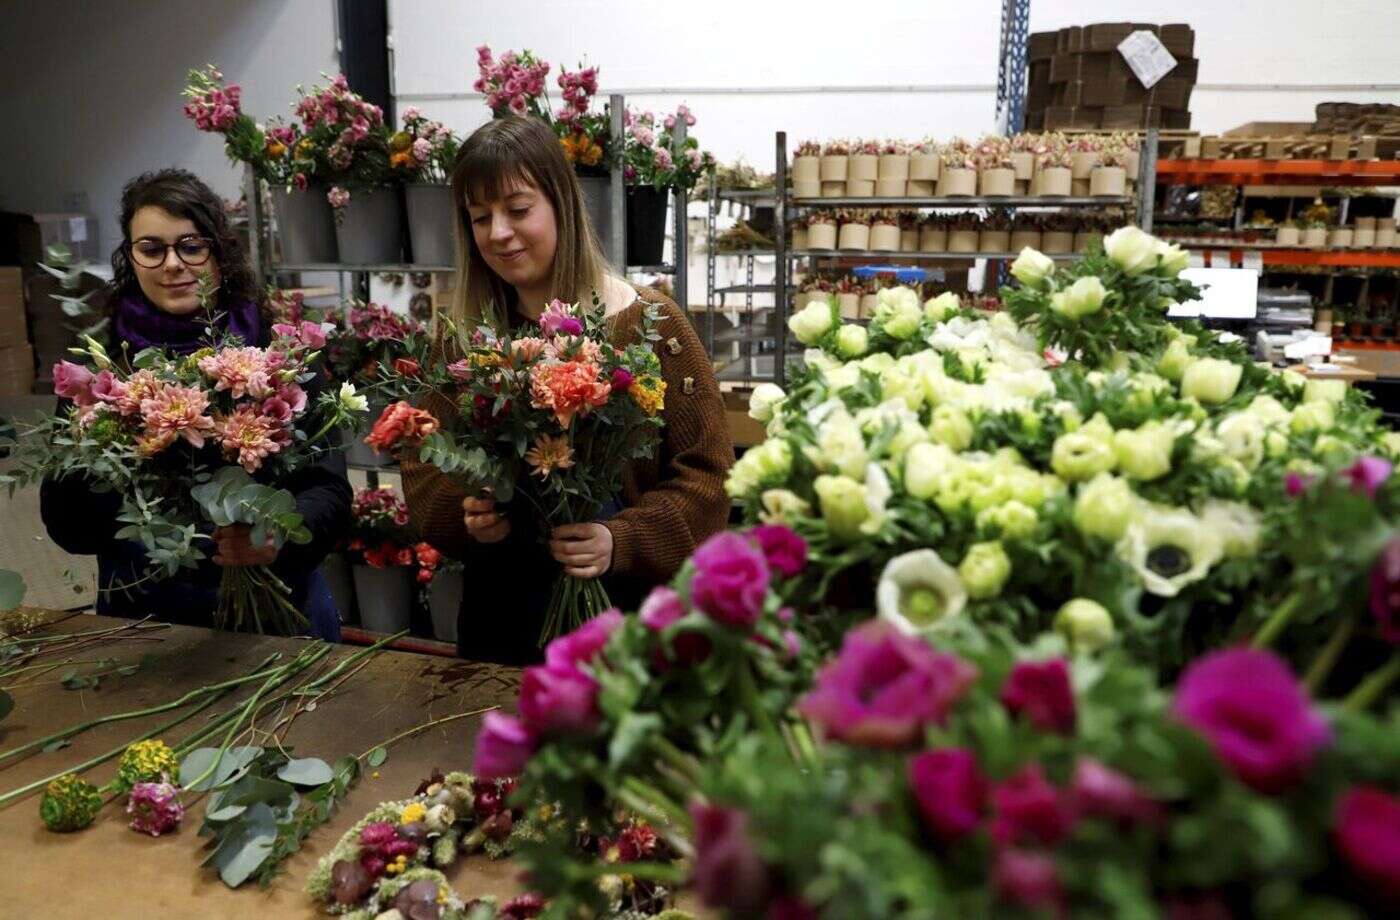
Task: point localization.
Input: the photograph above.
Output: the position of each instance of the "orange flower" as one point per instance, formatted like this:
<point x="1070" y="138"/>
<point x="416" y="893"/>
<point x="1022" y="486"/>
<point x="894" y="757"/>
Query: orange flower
<point x="275" y="150"/>
<point x="567" y="388"/>
<point x="401" y="160"/>
<point x="400" y="424"/>
<point x="550" y="454"/>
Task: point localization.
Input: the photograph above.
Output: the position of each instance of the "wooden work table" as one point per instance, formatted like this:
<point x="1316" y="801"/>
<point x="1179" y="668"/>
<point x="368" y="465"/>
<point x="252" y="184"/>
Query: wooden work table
<point x="112" y="871"/>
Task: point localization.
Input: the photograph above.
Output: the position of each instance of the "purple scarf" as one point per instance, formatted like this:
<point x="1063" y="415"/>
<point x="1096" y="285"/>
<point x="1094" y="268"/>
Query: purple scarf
<point x="141" y="324"/>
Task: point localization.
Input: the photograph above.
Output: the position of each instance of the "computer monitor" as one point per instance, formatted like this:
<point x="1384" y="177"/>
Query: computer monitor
<point x="1226" y="293"/>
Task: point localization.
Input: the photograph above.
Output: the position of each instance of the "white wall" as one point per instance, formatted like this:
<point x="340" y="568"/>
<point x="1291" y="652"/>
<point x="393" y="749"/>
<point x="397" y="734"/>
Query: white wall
<point x="882" y="67"/>
<point x="90" y="92"/>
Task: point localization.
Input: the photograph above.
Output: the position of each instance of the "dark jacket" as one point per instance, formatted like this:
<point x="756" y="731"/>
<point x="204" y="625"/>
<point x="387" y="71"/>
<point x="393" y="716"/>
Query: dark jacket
<point x="83" y="521"/>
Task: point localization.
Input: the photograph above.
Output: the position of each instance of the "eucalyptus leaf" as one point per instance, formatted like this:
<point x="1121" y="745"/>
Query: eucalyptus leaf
<point x="307" y="771"/>
<point x="377" y="756"/>
<point x="11" y="590"/>
<point x="57" y="744"/>
<point x="7" y="704"/>
<point x="632" y="730"/>
<point x="243" y="859"/>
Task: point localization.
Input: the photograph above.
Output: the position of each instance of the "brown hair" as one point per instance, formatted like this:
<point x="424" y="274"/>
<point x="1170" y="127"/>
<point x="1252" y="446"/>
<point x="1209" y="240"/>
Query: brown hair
<point x="507" y="149"/>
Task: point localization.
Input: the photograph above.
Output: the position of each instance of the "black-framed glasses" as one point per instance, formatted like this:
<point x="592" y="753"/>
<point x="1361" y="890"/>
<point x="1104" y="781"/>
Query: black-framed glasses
<point x="191" y="250"/>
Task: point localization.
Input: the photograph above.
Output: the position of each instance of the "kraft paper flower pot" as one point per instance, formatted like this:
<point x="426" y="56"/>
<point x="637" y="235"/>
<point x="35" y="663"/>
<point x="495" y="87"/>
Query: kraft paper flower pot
<point x="893" y="166"/>
<point x="994" y="241"/>
<point x="1023" y="187"/>
<point x="1366" y="223"/>
<point x="920" y="188"/>
<point x="1131" y="164"/>
<point x="860" y="188"/>
<point x="960" y="183"/>
<point x="821" y="236"/>
<point x="933" y="239"/>
<point x="338" y="577"/>
<point x="833" y="189"/>
<point x="803" y="188"/>
<point x="370" y="228"/>
<point x="646" y="224"/>
<point x="800" y="300"/>
<point x="1315" y="237"/>
<point x="1082" y="162"/>
<point x="385" y="596"/>
<point x="908" y="241"/>
<point x="1364" y="238"/>
<point x="1020" y="239"/>
<point x="863" y="166"/>
<point x="1084" y="238"/>
<point x="996" y="182"/>
<point x="890" y="188"/>
<point x="833" y="167"/>
<point x="1108" y="182"/>
<point x="444" y="601"/>
<point x="1288" y="236"/>
<point x="1385" y="237"/>
<point x="1079" y="188"/>
<point x="853" y="236"/>
<point x="1210" y="148"/>
<point x="806" y="169"/>
<point x="1385" y="223"/>
<point x="1056" y="242"/>
<point x="1340" y="238"/>
<point x="1057" y="181"/>
<point x="1024" y="165"/>
<point x="799" y="238"/>
<point x="305" y="225"/>
<point x="885" y="237"/>
<point x="430" y="224"/>
<point x="849" y="305"/>
<point x="868" y="303"/>
<point x="963" y="240"/>
<point x="924" y="167"/>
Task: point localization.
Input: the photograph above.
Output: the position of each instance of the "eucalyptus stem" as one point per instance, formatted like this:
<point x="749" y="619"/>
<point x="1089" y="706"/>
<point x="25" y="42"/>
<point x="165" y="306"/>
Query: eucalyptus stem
<point x="139" y="625"/>
<point x="136" y="714"/>
<point x="679" y="761"/>
<point x="657" y="801"/>
<point x="1277" y="621"/>
<point x="1373" y="686"/>
<point x="1327" y="657"/>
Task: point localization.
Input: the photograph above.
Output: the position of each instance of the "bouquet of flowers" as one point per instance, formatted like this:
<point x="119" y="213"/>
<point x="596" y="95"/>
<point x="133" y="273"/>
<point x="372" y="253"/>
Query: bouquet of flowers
<point x="189" y="442"/>
<point x="650" y="158"/>
<point x="550" y="413"/>
<point x="344" y="141"/>
<point x="424" y="150"/>
<point x="364" y="337"/>
<point x="218" y="109"/>
<point x="381" y="537"/>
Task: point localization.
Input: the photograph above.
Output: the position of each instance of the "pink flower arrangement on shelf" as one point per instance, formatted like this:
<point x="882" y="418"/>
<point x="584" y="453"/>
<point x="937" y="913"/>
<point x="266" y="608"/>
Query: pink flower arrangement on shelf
<point x="649" y="156"/>
<point x="190" y="442"/>
<point x="365" y="336"/>
<point x="992" y="153"/>
<point x="866" y="147"/>
<point x="381" y="535"/>
<point x="512" y="83"/>
<point x="423" y="151"/>
<point x="838" y="147"/>
<point x="808" y="149"/>
<point x="958" y="154"/>
<point x="894" y="147"/>
<point x="578" y="89"/>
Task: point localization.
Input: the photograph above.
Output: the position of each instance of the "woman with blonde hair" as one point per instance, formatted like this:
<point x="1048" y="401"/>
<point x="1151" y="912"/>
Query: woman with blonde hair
<point x="523" y="239"/>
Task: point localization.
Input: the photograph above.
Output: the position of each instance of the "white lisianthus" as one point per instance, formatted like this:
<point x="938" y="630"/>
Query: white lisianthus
<point x="909" y="434"/>
<point x="813" y="321"/>
<point x="1211" y="380"/>
<point x="852" y="341"/>
<point x="1332" y="391"/>
<point x="1104" y="507"/>
<point x="1236" y="524"/>
<point x="1068" y="414"/>
<point x="936" y="308"/>
<point x="952" y="427"/>
<point x="1242" y="436"/>
<point x="1011" y="521"/>
<point x="1176" y="357"/>
<point x="1032" y="267"/>
<point x="1390" y="443"/>
<point x="1313" y="416"/>
<point x="1330" y="447"/>
<point x="842" y="377"/>
<point x="351" y="401"/>
<point x="1131" y="249"/>
<point x="1172" y="259"/>
<point x="924" y="466"/>
<point x="1275" y="444"/>
<point x="917" y="591"/>
<point x="763" y="464"/>
<point x="897" y="385"/>
<point x="1078" y="456"/>
<point x="1145" y="453"/>
<point x="764" y="401"/>
<point x="985" y="569"/>
<point x="1268" y="410"/>
<point x="878" y="493"/>
<point x="844" y="506"/>
<point x="840" y="445"/>
<point x="1085" y="624"/>
<point x="878" y="363"/>
<point x="897" y="312"/>
<point x="1080" y="299"/>
<point x="820" y="360"/>
<point x="781" y="506"/>
<point x="1169" y="548"/>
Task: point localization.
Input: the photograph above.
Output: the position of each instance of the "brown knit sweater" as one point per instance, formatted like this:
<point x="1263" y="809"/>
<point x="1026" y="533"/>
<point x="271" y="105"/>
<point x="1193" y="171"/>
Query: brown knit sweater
<point x="671" y="502"/>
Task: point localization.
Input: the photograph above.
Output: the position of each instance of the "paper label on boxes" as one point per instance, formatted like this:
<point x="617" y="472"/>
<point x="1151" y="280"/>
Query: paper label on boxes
<point x="1147" y="57"/>
<point x="77" y="229"/>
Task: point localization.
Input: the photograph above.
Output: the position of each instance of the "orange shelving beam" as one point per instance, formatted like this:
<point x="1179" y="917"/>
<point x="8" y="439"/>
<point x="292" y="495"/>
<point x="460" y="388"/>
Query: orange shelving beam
<point x="1355" y="258"/>
<point x="1278" y="172"/>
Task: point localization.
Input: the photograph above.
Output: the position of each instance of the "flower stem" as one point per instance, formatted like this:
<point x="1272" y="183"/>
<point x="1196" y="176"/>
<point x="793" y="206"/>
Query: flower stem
<point x="1278" y="620"/>
<point x="1323" y="663"/>
<point x="1373" y="686"/>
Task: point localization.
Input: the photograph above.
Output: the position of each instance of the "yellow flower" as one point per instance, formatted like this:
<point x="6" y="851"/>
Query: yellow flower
<point x="649" y="392"/>
<point x="549" y="454"/>
<point x="400" y="864"/>
<point x="412" y="812"/>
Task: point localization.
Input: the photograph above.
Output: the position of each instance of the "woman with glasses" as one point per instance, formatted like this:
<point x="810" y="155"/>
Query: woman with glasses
<point x="176" y="239"/>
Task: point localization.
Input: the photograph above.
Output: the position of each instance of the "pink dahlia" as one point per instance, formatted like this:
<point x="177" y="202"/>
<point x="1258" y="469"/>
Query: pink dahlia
<point x="528" y="348"/>
<point x="155" y="808"/>
<point x="567" y="389"/>
<point x="240" y="371"/>
<point x="178" y="411"/>
<point x="249" y="437"/>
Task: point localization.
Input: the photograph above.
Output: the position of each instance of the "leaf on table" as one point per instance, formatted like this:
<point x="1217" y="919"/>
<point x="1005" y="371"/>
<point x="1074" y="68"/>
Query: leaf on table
<point x="307" y="771"/>
<point x="11" y="590"/>
<point x="7" y="704"/>
<point x="377" y="756"/>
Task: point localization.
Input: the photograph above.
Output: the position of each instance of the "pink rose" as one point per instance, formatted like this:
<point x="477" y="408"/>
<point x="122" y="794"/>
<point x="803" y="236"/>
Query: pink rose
<point x="503" y="747"/>
<point x="73" y="381"/>
<point x="1102" y="792"/>
<point x="950" y="790"/>
<point x="1027" y="879"/>
<point x="727" y="872"/>
<point x="1367" y="833"/>
<point x="1385" y="591"/>
<point x="583" y="644"/>
<point x="1367" y="475"/>
<point x="277" y="410"/>
<point x="1030" y="810"/>
<point x="1040" y="691"/>
<point x="556" y="699"/>
<point x="662" y="607"/>
<point x="731" y="580"/>
<point x="784" y="550"/>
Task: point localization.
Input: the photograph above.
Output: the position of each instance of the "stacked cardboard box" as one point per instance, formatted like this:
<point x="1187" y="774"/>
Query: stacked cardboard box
<point x="16" y="356"/>
<point x="1078" y="79"/>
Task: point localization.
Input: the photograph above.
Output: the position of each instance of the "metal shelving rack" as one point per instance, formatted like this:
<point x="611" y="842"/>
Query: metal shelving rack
<point x="615" y="246"/>
<point x="743" y="334"/>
